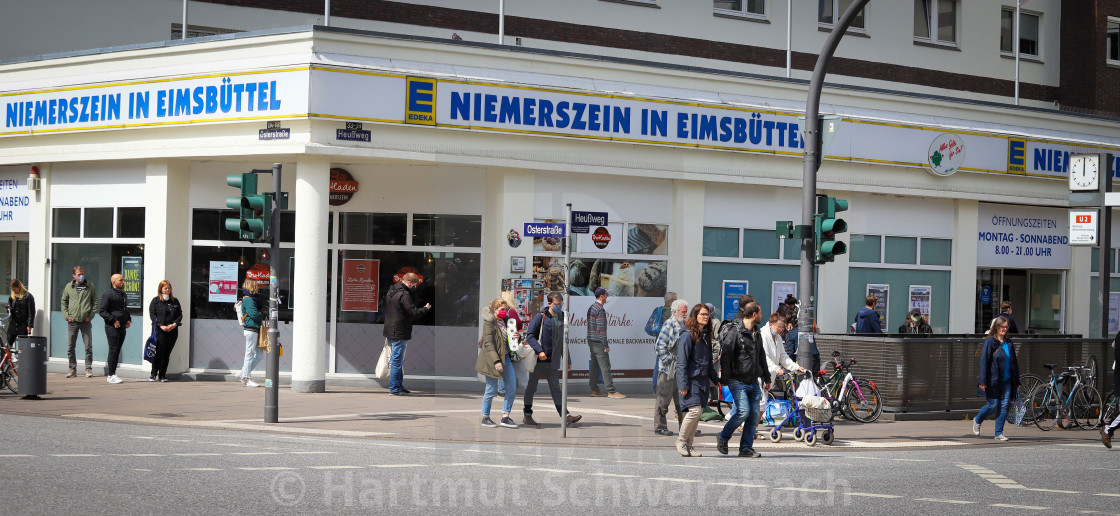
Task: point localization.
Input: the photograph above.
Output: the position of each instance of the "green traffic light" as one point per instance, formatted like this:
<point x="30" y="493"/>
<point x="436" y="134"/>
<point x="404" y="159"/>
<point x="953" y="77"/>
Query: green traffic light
<point x="825" y="228"/>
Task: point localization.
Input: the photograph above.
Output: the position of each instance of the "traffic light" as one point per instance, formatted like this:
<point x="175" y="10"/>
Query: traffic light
<point x="825" y="228"/>
<point x="254" y="210"/>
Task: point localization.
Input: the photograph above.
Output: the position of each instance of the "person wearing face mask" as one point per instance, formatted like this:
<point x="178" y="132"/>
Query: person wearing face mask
<point x="915" y="323"/>
<point x="114" y="309"/>
<point x="400" y="314"/>
<point x="79" y="303"/>
<point x="167" y="315"/>
<point x="546" y="336"/>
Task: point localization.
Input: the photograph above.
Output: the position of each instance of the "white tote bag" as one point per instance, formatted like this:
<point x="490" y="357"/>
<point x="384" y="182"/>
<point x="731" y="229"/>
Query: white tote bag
<point x="382" y="369"/>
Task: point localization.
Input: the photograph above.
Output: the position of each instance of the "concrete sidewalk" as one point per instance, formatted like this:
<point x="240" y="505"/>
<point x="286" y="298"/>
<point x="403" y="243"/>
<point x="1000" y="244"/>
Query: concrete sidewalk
<point x="452" y="416"/>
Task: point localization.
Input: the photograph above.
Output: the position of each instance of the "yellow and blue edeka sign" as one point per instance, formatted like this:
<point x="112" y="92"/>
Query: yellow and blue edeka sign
<point x="420" y="103"/>
<point x="1016" y="156"/>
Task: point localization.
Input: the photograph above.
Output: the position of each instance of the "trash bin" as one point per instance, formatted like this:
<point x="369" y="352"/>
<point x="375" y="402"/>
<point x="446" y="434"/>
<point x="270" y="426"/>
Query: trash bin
<point x="32" y="366"/>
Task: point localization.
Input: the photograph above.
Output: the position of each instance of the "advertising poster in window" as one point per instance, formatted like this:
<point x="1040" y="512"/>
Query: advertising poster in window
<point x="607" y="239"/>
<point x="647" y="239"/>
<point x="780" y="290"/>
<point x="732" y="291"/>
<point x="223" y="282"/>
<point x="883" y="292"/>
<point x="1113" y="312"/>
<point x="359" y="285"/>
<point x="920" y="297"/>
<point x="131" y="267"/>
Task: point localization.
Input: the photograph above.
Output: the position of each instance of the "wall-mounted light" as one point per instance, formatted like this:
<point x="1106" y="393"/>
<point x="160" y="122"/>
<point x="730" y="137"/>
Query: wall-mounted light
<point x="33" y="179"/>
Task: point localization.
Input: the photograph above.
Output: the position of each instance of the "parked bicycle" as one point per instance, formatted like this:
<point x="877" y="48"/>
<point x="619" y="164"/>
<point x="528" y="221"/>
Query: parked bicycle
<point x="1050" y="405"/>
<point x="9" y="373"/>
<point x="859" y="399"/>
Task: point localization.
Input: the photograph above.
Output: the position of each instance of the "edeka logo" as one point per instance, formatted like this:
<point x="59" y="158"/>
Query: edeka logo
<point x="1016" y="156"/>
<point x="420" y="106"/>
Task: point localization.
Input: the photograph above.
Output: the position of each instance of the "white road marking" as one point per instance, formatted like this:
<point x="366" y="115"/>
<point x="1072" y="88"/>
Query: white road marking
<point x="689" y="466"/>
<point x="138" y="455"/>
<point x="667" y="479"/>
<point x="196" y="454"/>
<point x="397" y="466"/>
<point x="549" y="470"/>
<point x="75" y="455"/>
<point x="941" y="500"/>
<point x="200" y="469"/>
<point x="267" y="468"/>
<point x="336" y="467"/>
<point x="875" y="495"/>
<point x="255" y="453"/>
<point x="311" y="452"/>
<point x="1042" y="490"/>
<point x="462" y="464"/>
<point x="733" y="484"/>
<point x="1081" y="445"/>
<point x="1010" y="506"/>
<point x="1107" y="494"/>
<point x="502" y="466"/>
<point x="16" y="455"/>
<point x="140" y="469"/>
<point x="618" y="475"/>
<point x="803" y="489"/>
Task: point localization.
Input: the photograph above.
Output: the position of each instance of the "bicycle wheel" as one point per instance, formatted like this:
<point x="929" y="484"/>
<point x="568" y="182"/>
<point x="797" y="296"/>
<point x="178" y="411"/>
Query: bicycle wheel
<point x="1028" y="384"/>
<point x="1044" y="408"/>
<point x="1086" y="409"/>
<point x="1111" y="410"/>
<point x="11" y="379"/>
<point x="864" y="404"/>
<point x="1090" y="371"/>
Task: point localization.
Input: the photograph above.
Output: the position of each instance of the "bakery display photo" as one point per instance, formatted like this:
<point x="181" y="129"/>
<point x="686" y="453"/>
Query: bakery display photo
<point x="622" y="278"/>
<point x="647" y="239"/>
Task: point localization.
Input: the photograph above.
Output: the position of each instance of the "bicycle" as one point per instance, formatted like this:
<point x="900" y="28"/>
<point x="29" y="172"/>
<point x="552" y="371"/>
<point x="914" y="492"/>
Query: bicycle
<point x="859" y="399"/>
<point x="1081" y="407"/>
<point x="1028" y="383"/>
<point x="1111" y="410"/>
<point x="9" y="373"/>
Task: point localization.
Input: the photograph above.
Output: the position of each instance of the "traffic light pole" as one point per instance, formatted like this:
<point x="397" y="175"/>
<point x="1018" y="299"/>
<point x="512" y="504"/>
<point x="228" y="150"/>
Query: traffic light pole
<point x="272" y="364"/>
<point x="809" y="189"/>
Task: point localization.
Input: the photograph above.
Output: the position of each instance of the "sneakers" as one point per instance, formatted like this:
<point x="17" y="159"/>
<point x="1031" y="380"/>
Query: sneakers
<point x="975" y="427"/>
<point x="508" y="423"/>
<point x="749" y="452"/>
<point x="617" y="395"/>
<point x="163" y="380"/>
<point x="250" y="383"/>
<point x="529" y="421"/>
<point x="72" y="374"/>
<point x="597" y="394"/>
<point x="682" y="448"/>
<point x="721" y="447"/>
<point x="113" y="379"/>
<point x="664" y="431"/>
<point x="152" y="378"/>
<point x="89" y="373"/>
<point x="1106" y="438"/>
<point x="488" y="423"/>
<point x="1002" y="437"/>
<point x="573" y="419"/>
<point x="240" y="378"/>
<point x="693" y="453"/>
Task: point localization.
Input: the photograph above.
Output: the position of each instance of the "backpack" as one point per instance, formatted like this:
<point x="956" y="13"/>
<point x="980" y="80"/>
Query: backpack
<point x="724" y="328"/>
<point x="653" y="325"/>
<point x="240" y="312"/>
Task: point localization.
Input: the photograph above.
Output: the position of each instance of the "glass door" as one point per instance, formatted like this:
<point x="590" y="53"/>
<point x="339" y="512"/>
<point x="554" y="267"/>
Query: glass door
<point x="988" y="287"/>
<point x="1046" y="303"/>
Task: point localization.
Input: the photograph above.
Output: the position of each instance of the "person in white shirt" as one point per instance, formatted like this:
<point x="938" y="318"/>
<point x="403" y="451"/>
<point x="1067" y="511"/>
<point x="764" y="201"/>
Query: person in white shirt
<point x="774" y="344"/>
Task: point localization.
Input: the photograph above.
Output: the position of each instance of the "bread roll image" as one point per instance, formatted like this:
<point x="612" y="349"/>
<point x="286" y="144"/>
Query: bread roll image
<point x="622" y="280"/>
<point x="652" y="280"/>
<point x="594" y="281"/>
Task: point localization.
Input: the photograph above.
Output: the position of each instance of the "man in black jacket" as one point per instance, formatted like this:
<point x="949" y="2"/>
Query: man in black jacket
<point x="546" y="336"/>
<point x="400" y="314"/>
<point x="742" y="364"/>
<point x="114" y="309"/>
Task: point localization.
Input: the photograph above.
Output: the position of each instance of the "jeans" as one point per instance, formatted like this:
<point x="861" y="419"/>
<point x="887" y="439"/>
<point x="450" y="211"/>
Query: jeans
<point x="746" y="397"/>
<point x="253" y="353"/>
<point x="72" y="335"/>
<point x="396" y="365"/>
<point x="600" y="364"/>
<point x="666" y="392"/>
<point x="509" y="377"/>
<point x="552" y="376"/>
<point x="165" y="342"/>
<point x="997" y="406"/>
<point x="115" y="338"/>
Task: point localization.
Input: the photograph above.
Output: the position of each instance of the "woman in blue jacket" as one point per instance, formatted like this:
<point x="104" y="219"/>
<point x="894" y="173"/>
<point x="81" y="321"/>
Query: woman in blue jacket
<point x="999" y="376"/>
<point x="695" y="372"/>
<point x="253" y="308"/>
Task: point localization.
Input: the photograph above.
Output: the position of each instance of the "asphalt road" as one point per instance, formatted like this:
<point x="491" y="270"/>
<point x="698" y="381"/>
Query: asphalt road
<point x="56" y="466"/>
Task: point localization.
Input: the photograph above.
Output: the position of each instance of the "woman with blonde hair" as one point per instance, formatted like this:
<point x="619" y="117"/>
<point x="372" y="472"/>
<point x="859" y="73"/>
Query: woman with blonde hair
<point x="251" y="305"/>
<point x="21" y="306"/>
<point x="495" y="364"/>
<point x="167" y="316"/>
<point x="999" y="376"/>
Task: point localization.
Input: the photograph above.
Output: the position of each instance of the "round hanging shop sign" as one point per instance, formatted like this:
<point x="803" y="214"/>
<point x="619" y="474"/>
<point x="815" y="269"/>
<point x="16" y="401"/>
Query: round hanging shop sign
<point x="946" y="155"/>
<point x="601" y="237"/>
<point x="343" y="187"/>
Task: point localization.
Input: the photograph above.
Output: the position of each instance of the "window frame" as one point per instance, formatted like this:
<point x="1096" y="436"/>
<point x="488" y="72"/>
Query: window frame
<point x="742" y="12"/>
<point x="1112" y="60"/>
<point x="1037" y="56"/>
<point x="933" y="17"/>
<point x="836" y="13"/>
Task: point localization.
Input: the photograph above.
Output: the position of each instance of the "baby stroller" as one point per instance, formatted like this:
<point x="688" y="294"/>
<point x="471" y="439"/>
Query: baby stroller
<point x="812" y="412"/>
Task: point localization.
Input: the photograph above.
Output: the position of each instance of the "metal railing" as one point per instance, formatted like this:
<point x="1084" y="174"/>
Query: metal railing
<point x="939" y="372"/>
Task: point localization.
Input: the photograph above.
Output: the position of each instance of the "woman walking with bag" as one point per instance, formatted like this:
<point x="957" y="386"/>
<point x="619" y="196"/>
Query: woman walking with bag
<point x="494" y="363"/>
<point x="21" y="306"/>
<point x="167" y="316"/>
<point x="695" y="372"/>
<point x="999" y="376"/>
<point x="251" y="305"/>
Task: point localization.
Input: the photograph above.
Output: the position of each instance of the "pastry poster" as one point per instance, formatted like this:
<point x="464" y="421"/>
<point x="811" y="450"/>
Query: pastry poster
<point x="359" y="285"/>
<point x="223" y="282"/>
<point x="548" y="244"/>
<point x="883" y="292"/>
<point x="647" y="239"/>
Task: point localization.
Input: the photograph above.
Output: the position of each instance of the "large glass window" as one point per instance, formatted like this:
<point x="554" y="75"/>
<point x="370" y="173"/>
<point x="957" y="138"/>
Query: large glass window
<point x="721" y="242"/>
<point x="373" y="228"/>
<point x="449" y="283"/>
<point x="248" y="261"/>
<point x="937" y="251"/>
<point x="67" y="222"/>
<point x="130" y="222"/>
<point x="866" y="248"/>
<point x="98" y="223"/>
<point x="1112" y="40"/>
<point x="447" y="230"/>
<point x="829" y="11"/>
<point x="211" y="225"/>
<point x="760" y="243"/>
<point x="1028" y="32"/>
<point x="935" y="20"/>
<point x="100" y="261"/>
<point x="741" y="6"/>
<point x="901" y="250"/>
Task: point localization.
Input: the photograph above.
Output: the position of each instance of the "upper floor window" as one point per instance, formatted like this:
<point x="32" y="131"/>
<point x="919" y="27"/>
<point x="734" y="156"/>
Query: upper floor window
<point x="829" y="11"/>
<point x="936" y="20"/>
<point x="1028" y="32"/>
<point x="757" y="7"/>
<point x="1113" y="40"/>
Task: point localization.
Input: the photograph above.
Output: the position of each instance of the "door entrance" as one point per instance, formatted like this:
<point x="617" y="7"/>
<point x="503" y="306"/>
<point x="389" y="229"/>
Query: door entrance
<point x="13" y="264"/>
<point x="1035" y="296"/>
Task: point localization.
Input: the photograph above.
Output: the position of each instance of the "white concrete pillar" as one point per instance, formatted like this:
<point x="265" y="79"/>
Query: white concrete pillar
<point x="1079" y="292"/>
<point x="167" y="250"/>
<point x="39" y="251"/>
<point x="962" y="283"/>
<point x="309" y="331"/>
<point x="509" y="205"/>
<point x="686" y="240"/>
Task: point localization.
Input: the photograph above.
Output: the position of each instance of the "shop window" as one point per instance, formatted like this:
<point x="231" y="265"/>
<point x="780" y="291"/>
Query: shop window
<point x="622" y="278"/>
<point x="209" y="304"/>
<point x="647" y="239"/>
<point x="937" y="251"/>
<point x="67" y="223"/>
<point x="866" y="248"/>
<point x="740" y="7"/>
<point x="100" y="261"/>
<point x="721" y="242"/>
<point x="936" y="21"/>
<point x="901" y="250"/>
<point x="447" y="230"/>
<point x="760" y="243"/>
<point x="1028" y="33"/>
<point x="98" y="223"/>
<point x="829" y="11"/>
<point x="373" y="228"/>
<point x="449" y="283"/>
<point x="1112" y="41"/>
<point x="130" y="222"/>
<point x="211" y="225"/>
<point x="1095" y="260"/>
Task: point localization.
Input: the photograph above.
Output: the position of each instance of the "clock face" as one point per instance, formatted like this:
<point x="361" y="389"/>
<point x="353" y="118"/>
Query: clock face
<point x="1083" y="173"/>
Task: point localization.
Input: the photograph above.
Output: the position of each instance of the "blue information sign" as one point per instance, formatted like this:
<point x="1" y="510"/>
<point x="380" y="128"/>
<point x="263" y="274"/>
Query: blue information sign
<point x="588" y="218"/>
<point x="543" y="229"/>
<point x="732" y="291"/>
